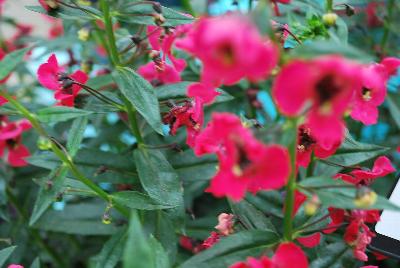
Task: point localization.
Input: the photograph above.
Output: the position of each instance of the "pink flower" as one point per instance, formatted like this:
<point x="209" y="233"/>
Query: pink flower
<point x="391" y="65"/>
<point x="227" y="55"/>
<point x="325" y="90"/>
<point x="52" y="76"/>
<point x="307" y="143"/>
<point x="286" y="256"/>
<point x="159" y="75"/>
<point x="11" y="141"/>
<point x="225" y="224"/>
<point x="381" y="168"/>
<point x="15" y="266"/>
<point x="245" y="164"/>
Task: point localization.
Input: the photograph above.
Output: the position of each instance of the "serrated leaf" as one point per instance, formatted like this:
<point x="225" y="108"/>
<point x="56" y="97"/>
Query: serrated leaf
<point x="233" y="248"/>
<point x="60" y="114"/>
<point x="136" y="200"/>
<point x="11" y="61"/>
<point x="132" y="14"/>
<point x="394" y="108"/>
<point x="158" y="178"/>
<point x="112" y="250"/>
<point x="330" y="256"/>
<point x="251" y="217"/>
<point x="141" y="94"/>
<point x="100" y="81"/>
<point x="48" y="192"/>
<point x="339" y="194"/>
<point x="5" y="254"/>
<point x="179" y="90"/>
<point x="75" y="135"/>
<point x="161" y="256"/>
<point x="138" y="250"/>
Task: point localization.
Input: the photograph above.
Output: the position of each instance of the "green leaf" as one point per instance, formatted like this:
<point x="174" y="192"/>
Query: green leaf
<point x="350" y="153"/>
<point x="100" y="81"/>
<point x="60" y="114"/>
<point x="161" y="256"/>
<point x="251" y="217"/>
<point x="51" y="221"/>
<point x="393" y="102"/>
<point x="75" y="135"/>
<point x="5" y="254"/>
<point x="138" y="250"/>
<point x="141" y="94"/>
<point x="112" y="250"/>
<point x="178" y="91"/>
<point x="339" y="194"/>
<point x="318" y="48"/>
<point x="269" y="202"/>
<point x="136" y="200"/>
<point x="66" y="13"/>
<point x="11" y="61"/>
<point x="48" y="192"/>
<point x="132" y="14"/>
<point x="158" y="178"/>
<point x="331" y="256"/>
<point x="36" y="263"/>
<point x="233" y="248"/>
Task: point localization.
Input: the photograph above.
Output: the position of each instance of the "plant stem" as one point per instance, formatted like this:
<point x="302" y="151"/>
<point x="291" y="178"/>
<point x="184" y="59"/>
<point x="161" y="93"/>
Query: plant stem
<point x="33" y="232"/>
<point x="62" y="154"/>
<point x="133" y="121"/>
<point x="329" y="6"/>
<point x="110" y="32"/>
<point x="388" y="19"/>
<point x="291" y="186"/>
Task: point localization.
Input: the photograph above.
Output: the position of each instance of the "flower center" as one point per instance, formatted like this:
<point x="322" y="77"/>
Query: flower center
<point x="305" y="140"/>
<point x="225" y="52"/>
<point x="242" y="162"/>
<point x="327" y="88"/>
<point x="366" y="94"/>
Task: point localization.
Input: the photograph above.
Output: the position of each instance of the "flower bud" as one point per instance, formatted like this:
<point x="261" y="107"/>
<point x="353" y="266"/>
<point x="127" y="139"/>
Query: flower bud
<point x="84" y="2"/>
<point x="311" y="206"/>
<point x="86" y="66"/>
<point x="107" y="218"/>
<point x="330" y="18"/>
<point x="349" y="10"/>
<point x="43" y="144"/>
<point x="365" y="197"/>
<point x="158" y="19"/>
<point x="225" y="223"/>
<point x="84" y="34"/>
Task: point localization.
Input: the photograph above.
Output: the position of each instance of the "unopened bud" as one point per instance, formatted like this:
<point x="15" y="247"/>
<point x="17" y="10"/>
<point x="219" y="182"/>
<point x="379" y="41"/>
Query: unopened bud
<point x="311" y="206"/>
<point x="52" y="4"/>
<point x="330" y="18"/>
<point x="107" y="218"/>
<point x="349" y="10"/>
<point x="84" y="2"/>
<point x="86" y="66"/>
<point x="44" y="144"/>
<point x="84" y="34"/>
<point x="365" y="197"/>
<point x="158" y="19"/>
<point x="136" y="39"/>
<point x="157" y="7"/>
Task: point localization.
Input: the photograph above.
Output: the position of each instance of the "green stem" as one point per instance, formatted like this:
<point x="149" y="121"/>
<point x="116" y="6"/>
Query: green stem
<point x="329" y="5"/>
<point x="133" y="121"/>
<point x="385" y="37"/>
<point x="62" y="154"/>
<point x="33" y="232"/>
<point x="110" y="32"/>
<point x="290" y="187"/>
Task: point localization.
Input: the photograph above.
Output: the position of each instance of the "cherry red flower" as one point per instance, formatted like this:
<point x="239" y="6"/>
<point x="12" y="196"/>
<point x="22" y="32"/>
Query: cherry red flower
<point x="307" y="144"/>
<point x="286" y="256"/>
<point x="52" y="76"/>
<point x="382" y="167"/>
<point x="372" y="18"/>
<point x="227" y="55"/>
<point x="245" y="164"/>
<point x="11" y="141"/>
<point x="324" y="93"/>
<point x="211" y="240"/>
<point x="310" y="241"/>
<point x="357" y="233"/>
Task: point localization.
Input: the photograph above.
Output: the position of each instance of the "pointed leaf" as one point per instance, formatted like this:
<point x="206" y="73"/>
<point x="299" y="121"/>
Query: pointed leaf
<point x="136" y="200"/>
<point x="141" y="94"/>
<point x="5" y="254"/>
<point x="112" y="250"/>
<point x="60" y="114"/>
<point x="75" y="135"/>
<point x="11" y="61"/>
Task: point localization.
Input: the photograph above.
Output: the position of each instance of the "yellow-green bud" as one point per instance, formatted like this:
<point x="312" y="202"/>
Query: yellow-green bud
<point x="329" y="18"/>
<point x="84" y="34"/>
<point x="44" y="144"/>
<point x="311" y="206"/>
<point x="365" y="197"/>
